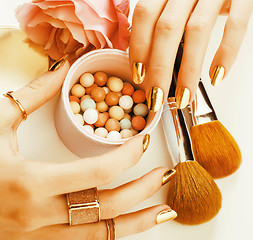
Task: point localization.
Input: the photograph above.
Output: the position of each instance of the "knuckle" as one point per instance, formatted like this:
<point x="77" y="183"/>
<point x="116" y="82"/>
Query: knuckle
<point x="24" y="184"/>
<point x="167" y="24"/>
<point x="198" y="24"/>
<point x="111" y="209"/>
<point x="23" y="218"/>
<point x="35" y="84"/>
<point x="237" y="23"/>
<point x="102" y="174"/>
<point x="143" y="225"/>
<point x="99" y="234"/>
<point x="143" y="10"/>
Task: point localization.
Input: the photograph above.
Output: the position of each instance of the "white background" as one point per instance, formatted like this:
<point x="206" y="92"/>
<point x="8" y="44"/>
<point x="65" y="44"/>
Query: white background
<point x="233" y="103"/>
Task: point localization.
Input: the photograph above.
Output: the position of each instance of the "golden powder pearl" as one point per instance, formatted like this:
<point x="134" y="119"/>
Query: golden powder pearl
<point x="115" y="84"/>
<point x="112" y="125"/>
<point x="78" y="90"/>
<point x="116" y="112"/>
<point x="75" y="107"/>
<point x="126" y="133"/>
<point x="85" y="97"/>
<point x="102" y="106"/>
<point x="102" y="119"/>
<point x="98" y="94"/>
<point x="87" y="80"/>
<point x="112" y="99"/>
<point x="89" y="89"/>
<point x="100" y="78"/>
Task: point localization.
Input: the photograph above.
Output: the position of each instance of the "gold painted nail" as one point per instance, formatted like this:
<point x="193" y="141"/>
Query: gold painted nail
<point x="183" y="97"/>
<point x="139" y="72"/>
<point x="60" y="62"/>
<point x="146" y="141"/>
<point x="165" y="216"/>
<point x="155" y="99"/>
<point x="217" y="75"/>
<point x="168" y="176"/>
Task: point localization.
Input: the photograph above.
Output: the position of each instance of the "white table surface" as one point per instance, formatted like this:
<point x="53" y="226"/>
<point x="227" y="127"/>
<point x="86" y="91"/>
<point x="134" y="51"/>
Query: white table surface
<point x="232" y="100"/>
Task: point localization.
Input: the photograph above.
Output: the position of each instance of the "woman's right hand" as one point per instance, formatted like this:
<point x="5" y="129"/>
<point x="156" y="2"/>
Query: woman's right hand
<point x="33" y="202"/>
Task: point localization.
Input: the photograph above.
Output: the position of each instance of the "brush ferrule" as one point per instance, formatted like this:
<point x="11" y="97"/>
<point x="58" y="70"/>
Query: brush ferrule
<point x="201" y="108"/>
<point x="178" y="142"/>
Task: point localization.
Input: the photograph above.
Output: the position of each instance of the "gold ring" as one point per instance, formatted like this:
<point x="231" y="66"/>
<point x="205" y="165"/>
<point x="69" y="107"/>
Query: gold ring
<point x="111" y="229"/>
<point x="83" y="207"/>
<point x="20" y="106"/>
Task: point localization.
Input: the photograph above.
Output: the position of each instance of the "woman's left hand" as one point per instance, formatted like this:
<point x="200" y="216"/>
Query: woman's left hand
<point x="158" y="27"/>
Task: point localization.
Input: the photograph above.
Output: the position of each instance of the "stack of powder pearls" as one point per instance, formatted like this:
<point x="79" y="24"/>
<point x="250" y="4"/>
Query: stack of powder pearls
<point x="108" y="107"/>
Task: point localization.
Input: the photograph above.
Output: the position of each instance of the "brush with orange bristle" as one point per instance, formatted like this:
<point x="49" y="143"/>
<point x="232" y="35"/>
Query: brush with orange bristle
<point x="213" y="146"/>
<point x="193" y="193"/>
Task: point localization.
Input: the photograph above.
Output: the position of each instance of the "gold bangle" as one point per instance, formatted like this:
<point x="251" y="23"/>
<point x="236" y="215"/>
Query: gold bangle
<point x="20" y="106"/>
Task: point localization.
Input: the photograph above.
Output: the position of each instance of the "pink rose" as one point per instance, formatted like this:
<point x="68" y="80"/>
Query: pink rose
<point x="75" y="26"/>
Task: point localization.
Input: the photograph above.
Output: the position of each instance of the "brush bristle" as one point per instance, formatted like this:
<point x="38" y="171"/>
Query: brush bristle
<point x="215" y="149"/>
<point x="193" y="194"/>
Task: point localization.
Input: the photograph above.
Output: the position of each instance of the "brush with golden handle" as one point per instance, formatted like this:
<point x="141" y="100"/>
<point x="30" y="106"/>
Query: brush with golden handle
<point x="192" y="192"/>
<point x="213" y="146"/>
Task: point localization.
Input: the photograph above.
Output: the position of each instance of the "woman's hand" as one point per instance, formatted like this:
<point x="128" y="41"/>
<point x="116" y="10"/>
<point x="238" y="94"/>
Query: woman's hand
<point x="158" y="27"/>
<point x="33" y="202"/>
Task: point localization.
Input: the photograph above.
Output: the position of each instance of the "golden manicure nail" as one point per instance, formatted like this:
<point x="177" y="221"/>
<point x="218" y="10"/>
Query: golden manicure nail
<point x="146" y="141"/>
<point x="165" y="216"/>
<point x="155" y="99"/>
<point x="217" y="75"/>
<point x="60" y="62"/>
<point x="168" y="176"/>
<point x="139" y="72"/>
<point x="183" y="97"/>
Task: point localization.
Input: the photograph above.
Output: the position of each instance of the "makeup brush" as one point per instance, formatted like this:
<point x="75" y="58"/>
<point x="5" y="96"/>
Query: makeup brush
<point x="192" y="192"/>
<point x="213" y="146"/>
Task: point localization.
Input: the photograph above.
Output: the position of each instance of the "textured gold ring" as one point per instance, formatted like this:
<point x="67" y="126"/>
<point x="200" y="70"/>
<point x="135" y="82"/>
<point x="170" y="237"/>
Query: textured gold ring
<point x="83" y="207"/>
<point x="20" y="106"/>
<point x="111" y="229"/>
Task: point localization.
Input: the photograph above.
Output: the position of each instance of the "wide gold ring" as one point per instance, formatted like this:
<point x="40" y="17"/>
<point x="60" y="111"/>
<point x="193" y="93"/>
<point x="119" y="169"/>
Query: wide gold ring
<point x="20" y="106"/>
<point x="111" y="229"/>
<point x="83" y="207"/>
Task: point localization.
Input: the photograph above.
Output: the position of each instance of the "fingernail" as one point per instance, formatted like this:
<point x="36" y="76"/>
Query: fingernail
<point x="139" y="72"/>
<point x="59" y="63"/>
<point x="217" y="75"/>
<point x="183" y="97"/>
<point x="155" y="99"/>
<point x="165" y="216"/>
<point x="146" y="141"/>
<point x="168" y="176"/>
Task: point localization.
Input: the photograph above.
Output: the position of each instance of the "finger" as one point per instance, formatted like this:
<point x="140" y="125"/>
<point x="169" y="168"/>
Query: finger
<point x="90" y="172"/>
<point x="235" y="29"/>
<point x="37" y="92"/>
<point x="167" y="36"/>
<point x="197" y="34"/>
<point x="117" y="201"/>
<point x="143" y="220"/>
<point x="125" y="225"/>
<point x="112" y="202"/>
<point x="145" y="17"/>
